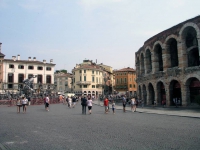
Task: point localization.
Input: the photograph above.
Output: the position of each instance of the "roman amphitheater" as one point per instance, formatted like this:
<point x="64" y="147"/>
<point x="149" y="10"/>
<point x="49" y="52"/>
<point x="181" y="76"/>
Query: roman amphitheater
<point x="168" y="65"/>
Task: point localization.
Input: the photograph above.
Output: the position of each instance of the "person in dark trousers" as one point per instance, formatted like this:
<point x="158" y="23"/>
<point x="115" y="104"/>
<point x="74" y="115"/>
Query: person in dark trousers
<point x="84" y="104"/>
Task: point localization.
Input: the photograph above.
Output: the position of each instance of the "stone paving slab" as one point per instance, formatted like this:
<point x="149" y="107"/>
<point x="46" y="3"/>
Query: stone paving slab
<point x="63" y="128"/>
<point x="183" y="112"/>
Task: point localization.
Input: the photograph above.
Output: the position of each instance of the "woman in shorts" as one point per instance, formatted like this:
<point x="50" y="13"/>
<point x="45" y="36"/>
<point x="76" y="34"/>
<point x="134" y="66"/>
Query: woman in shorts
<point x="89" y="103"/>
<point x="18" y="105"/>
<point x="24" y="104"/>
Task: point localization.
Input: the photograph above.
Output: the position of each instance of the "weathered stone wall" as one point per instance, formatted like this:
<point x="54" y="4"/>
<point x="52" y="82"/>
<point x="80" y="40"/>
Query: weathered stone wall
<point x="181" y="73"/>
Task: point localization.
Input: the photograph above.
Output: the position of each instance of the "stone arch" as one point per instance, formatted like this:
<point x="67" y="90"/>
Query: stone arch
<point x="142" y="67"/>
<point x="151" y="96"/>
<point x="190" y="37"/>
<point x="193" y="90"/>
<point x="138" y="66"/>
<point x="171" y="46"/>
<point x="139" y="93"/>
<point x="144" y="94"/>
<point x="148" y="58"/>
<point x="158" y="58"/>
<point x="161" y="92"/>
<point x="175" y="92"/>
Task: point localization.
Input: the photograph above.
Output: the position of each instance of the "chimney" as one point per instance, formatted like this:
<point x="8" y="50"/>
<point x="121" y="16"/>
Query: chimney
<point x="18" y="57"/>
<point x="14" y="58"/>
<point x="51" y="61"/>
<point x="44" y="61"/>
<point x="34" y="58"/>
<point x="0" y="47"/>
<point x="29" y="58"/>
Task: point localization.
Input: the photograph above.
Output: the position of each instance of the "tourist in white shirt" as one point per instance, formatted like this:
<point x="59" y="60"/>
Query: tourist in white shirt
<point x="89" y="103"/>
<point x="24" y="104"/>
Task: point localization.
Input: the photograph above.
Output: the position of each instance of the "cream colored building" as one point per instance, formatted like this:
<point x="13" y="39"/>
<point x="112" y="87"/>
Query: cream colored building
<point x="107" y="79"/>
<point x="62" y="82"/>
<point x="87" y="79"/>
<point x="16" y="70"/>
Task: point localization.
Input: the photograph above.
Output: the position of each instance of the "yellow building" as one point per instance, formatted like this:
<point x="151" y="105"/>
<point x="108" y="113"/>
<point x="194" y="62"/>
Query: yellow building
<point x="125" y="82"/>
<point x="87" y="79"/>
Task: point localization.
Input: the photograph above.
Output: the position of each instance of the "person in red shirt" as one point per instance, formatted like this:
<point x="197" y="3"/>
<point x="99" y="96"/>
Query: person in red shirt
<point x="106" y="103"/>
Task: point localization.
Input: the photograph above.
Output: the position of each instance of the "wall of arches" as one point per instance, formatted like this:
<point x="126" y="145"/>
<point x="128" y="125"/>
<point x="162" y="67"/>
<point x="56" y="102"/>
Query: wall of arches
<point x="168" y="66"/>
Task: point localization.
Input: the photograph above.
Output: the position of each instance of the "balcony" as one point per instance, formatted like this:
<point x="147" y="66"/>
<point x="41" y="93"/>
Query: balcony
<point x="83" y="82"/>
<point x="99" y="84"/>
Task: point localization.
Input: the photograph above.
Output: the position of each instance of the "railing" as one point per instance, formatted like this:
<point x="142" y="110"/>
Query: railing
<point x="83" y="82"/>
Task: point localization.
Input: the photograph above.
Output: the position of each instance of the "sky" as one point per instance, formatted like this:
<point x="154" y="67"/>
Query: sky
<point x="70" y="31"/>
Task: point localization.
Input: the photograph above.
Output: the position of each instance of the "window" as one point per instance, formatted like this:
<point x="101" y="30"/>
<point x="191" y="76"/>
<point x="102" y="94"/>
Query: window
<point x="39" y="68"/>
<point x="84" y="78"/>
<point x="92" y="79"/>
<point x="130" y="85"/>
<point x="74" y="80"/>
<point x="11" y="66"/>
<point x="96" y="72"/>
<point x="39" y="79"/>
<point x="10" y="77"/>
<point x="30" y="67"/>
<point x="134" y="85"/>
<point x="20" y="66"/>
<point x="20" y="78"/>
<point x="93" y="86"/>
<point x="84" y="71"/>
<point x="80" y="78"/>
<point x="30" y="76"/>
<point x="80" y="71"/>
<point x="130" y="79"/>
<point x="48" y="79"/>
<point x="96" y="79"/>
<point x="74" y="73"/>
<point x="121" y="80"/>
<point x="80" y="86"/>
<point x="92" y="71"/>
<point x="124" y="80"/>
<point x="84" y="86"/>
<point x="117" y="81"/>
<point x="48" y="68"/>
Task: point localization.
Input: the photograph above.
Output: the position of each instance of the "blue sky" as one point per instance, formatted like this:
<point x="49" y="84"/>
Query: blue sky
<point x="69" y="31"/>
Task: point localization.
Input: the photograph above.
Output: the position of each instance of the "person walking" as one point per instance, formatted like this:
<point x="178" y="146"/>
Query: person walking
<point x="29" y="100"/>
<point x="113" y="106"/>
<point x="106" y="103"/>
<point x="73" y="101"/>
<point x="19" y="105"/>
<point x="47" y="103"/>
<point x="89" y="103"/>
<point x="132" y="103"/>
<point x="44" y="99"/>
<point x="124" y="103"/>
<point x="84" y="104"/>
<point x="24" y="104"/>
<point x="69" y="102"/>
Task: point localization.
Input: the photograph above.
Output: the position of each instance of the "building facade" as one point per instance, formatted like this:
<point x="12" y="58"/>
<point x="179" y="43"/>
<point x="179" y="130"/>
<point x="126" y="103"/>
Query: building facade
<point x="168" y="65"/>
<point x="125" y="82"/>
<point x="16" y="70"/>
<point x="87" y="79"/>
<point x="63" y="82"/>
<point x="107" y="79"/>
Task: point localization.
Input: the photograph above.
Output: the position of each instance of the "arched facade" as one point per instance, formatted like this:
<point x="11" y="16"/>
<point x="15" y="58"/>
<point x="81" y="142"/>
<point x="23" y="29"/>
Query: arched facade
<point x="168" y="65"/>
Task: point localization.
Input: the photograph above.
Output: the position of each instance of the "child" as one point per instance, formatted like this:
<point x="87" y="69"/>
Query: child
<point x="113" y="107"/>
<point x="18" y="105"/>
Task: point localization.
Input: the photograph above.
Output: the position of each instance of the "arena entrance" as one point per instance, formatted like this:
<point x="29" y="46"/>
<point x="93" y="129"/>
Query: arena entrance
<point x="175" y="93"/>
<point x="151" y="94"/>
<point x="161" y="93"/>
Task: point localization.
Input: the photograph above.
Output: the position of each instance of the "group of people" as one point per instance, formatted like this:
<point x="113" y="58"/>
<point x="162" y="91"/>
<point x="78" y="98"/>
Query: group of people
<point x="133" y="104"/>
<point x="22" y="103"/>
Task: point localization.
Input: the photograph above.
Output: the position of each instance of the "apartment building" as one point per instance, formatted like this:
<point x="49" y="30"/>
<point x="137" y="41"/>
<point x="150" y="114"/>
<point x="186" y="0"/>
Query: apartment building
<point x="87" y="79"/>
<point x="15" y="70"/>
<point x="63" y="82"/>
<point x="125" y="81"/>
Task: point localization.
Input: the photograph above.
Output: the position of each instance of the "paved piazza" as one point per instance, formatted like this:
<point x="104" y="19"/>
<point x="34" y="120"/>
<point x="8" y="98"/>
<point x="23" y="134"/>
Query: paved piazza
<point x="67" y="129"/>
